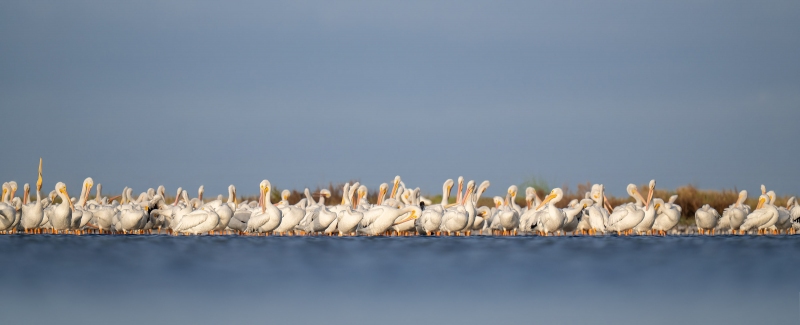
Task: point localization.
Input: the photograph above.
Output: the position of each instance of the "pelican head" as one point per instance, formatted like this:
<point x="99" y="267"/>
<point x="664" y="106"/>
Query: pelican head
<point x="763" y="189"/>
<point x="88" y="183"/>
<point x="651" y="187"/>
<point x="200" y="192"/>
<point x="770" y="195"/>
<point x="12" y="185"/>
<point x="657" y="203"/>
<point x="762" y="200"/>
<point x="395" y="183"/>
<point x="285" y="195"/>
<point x="498" y="201"/>
<point x="26" y="190"/>
<point x="742" y="197"/>
<point x="61" y="189"/>
<point x="573" y="203"/>
<point x="482" y="188"/>
<point x="484" y="212"/>
<point x="39" y="179"/>
<point x="585" y="203"/>
<point x="361" y="194"/>
<point x="264" y="191"/>
<point x="555" y="195"/>
<point x="448" y="185"/>
<point x="324" y="192"/>
<point x="512" y="191"/>
<point x="5" y="191"/>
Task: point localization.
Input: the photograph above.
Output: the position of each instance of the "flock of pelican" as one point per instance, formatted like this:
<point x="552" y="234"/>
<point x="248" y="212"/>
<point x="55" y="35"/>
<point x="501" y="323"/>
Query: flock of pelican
<point x="404" y="212"/>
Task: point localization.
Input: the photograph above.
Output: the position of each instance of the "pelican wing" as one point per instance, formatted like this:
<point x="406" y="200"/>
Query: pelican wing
<point x="617" y="216"/>
<point x="192" y="219"/>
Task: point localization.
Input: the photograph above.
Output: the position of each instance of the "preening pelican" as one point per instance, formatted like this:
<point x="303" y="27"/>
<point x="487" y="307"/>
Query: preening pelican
<point x="646" y="225"/>
<point x="290" y="215"/>
<point x="668" y="214"/>
<point x="764" y="216"/>
<point x="706" y="219"/>
<point x="733" y="216"/>
<point x="627" y="216"/>
<point x="455" y="218"/>
<point x="266" y="219"/>
<point x="33" y="213"/>
<point x="431" y="218"/>
<point x="387" y="218"/>
<point x="507" y="219"/>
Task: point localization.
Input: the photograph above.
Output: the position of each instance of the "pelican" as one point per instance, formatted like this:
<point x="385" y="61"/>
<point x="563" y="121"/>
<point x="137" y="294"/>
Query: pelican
<point x="348" y="220"/>
<point x="199" y="221"/>
<point x="387" y="217"/>
<point x="527" y="220"/>
<point x="7" y="211"/>
<point x="795" y="212"/>
<point x="764" y="216"/>
<point x="61" y="218"/>
<point x="431" y="218"/>
<point x="597" y="213"/>
<point x="455" y="218"/>
<point x="410" y="197"/>
<point x="33" y="213"/>
<point x="131" y="215"/>
<point x="574" y="215"/>
<point x="706" y="219"/>
<point x="646" y="225"/>
<point x="552" y="219"/>
<point x="733" y="216"/>
<point x="290" y="214"/>
<point x="784" y="222"/>
<point x="507" y="219"/>
<point x="667" y="215"/>
<point x="224" y="210"/>
<point x="322" y="217"/>
<point x="268" y="217"/>
<point x="627" y="216"/>
<point x="81" y="215"/>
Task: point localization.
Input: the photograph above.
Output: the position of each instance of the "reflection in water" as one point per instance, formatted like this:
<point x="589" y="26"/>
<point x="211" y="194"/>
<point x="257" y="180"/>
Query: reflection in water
<point x="477" y="280"/>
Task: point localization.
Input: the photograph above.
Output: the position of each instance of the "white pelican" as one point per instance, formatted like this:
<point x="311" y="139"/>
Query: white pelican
<point x="455" y="218"/>
<point x="784" y="222"/>
<point x="553" y="218"/>
<point x="507" y="219"/>
<point x="81" y="215"/>
<point x="733" y="216"/>
<point x="224" y="210"/>
<point x="646" y="225"/>
<point x="795" y="212"/>
<point x="387" y="218"/>
<point x="199" y="221"/>
<point x="526" y="220"/>
<point x="706" y="219"/>
<point x="627" y="216"/>
<point x="764" y="216"/>
<point x="574" y="215"/>
<point x="62" y="213"/>
<point x="597" y="213"/>
<point x="668" y="214"/>
<point x="410" y="197"/>
<point x="290" y="214"/>
<point x="431" y="218"/>
<point x="7" y="211"/>
<point x="322" y="217"/>
<point x="131" y="215"/>
<point x="268" y="217"/>
<point x="348" y="220"/>
<point x="33" y="213"/>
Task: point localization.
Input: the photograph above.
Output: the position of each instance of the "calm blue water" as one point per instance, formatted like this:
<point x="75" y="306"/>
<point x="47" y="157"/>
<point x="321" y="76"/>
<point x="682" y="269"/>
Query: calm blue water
<point x="477" y="280"/>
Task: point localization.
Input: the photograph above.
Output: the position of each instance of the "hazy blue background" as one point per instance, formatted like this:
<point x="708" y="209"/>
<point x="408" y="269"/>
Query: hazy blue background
<point x="184" y="93"/>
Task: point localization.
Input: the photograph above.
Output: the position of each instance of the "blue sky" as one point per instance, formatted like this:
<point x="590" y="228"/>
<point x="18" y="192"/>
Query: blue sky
<point x="304" y="93"/>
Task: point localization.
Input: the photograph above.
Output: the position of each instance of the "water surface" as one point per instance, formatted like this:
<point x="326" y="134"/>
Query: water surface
<point x="362" y="280"/>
